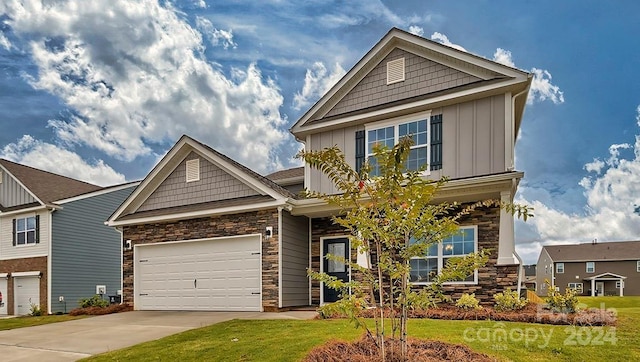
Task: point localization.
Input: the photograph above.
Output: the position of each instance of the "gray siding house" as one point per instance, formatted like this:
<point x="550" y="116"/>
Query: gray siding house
<point x="207" y="233"/>
<point x="592" y="269"/>
<point x="53" y="241"/>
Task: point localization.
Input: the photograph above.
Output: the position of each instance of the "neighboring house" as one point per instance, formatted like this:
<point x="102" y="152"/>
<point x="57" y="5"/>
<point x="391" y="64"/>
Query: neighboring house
<point x="54" y="246"/>
<point x="529" y="280"/>
<point x="207" y="233"/>
<point x="595" y="269"/>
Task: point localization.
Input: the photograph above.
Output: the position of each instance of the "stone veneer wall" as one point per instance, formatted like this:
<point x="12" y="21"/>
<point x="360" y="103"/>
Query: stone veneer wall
<point x="210" y="227"/>
<point x="25" y="265"/>
<point x="491" y="278"/>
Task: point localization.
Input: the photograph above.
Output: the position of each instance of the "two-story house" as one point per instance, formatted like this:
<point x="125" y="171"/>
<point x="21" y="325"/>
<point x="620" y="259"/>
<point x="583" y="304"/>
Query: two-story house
<point x="595" y="269"/>
<point x="54" y="246"/>
<point x="206" y="233"/>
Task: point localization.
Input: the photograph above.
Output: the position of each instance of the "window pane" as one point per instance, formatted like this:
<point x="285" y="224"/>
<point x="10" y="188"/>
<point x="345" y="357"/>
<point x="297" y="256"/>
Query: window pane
<point x="422" y="270"/>
<point x="20" y="224"/>
<point x="433" y="250"/>
<point x="337" y="249"/>
<point x="468" y="247"/>
<point x="20" y="238"/>
<point x="31" y="237"/>
<point x="447" y="248"/>
<point x="31" y="223"/>
<point x="422" y="126"/>
<point x="402" y="130"/>
<point x="458" y="248"/>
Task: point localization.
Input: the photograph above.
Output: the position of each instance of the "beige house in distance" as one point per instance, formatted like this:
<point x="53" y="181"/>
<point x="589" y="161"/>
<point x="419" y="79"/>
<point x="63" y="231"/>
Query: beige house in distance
<point x="593" y="269"/>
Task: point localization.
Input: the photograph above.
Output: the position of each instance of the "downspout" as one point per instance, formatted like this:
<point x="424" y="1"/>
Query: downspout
<point x="520" y="268"/>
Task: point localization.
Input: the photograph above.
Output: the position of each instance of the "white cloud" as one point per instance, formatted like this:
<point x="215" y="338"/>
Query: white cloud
<point x="503" y="57"/>
<point x="216" y="36"/>
<point x="4" y="42"/>
<point x="612" y="210"/>
<point x="317" y="81"/>
<point x="135" y="78"/>
<point x="542" y="89"/>
<point x="45" y="156"/>
<point x="416" y="30"/>
<point x="443" y="39"/>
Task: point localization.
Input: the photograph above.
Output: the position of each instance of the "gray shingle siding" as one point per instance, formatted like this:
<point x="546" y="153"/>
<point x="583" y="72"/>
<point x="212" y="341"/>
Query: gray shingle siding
<point x="295" y="260"/>
<point x="84" y="251"/>
<point x="215" y="184"/>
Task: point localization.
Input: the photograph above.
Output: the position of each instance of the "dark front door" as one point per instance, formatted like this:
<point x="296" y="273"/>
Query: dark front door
<point x="333" y="267"/>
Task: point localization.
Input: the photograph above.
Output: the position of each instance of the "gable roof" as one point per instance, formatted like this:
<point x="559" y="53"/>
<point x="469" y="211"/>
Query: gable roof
<point x="45" y="186"/>
<point x="269" y="192"/>
<point x="603" y="251"/>
<point x="492" y="76"/>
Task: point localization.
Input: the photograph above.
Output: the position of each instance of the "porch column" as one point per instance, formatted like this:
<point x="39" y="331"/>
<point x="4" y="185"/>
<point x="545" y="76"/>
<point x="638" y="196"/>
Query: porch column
<point x="621" y="287"/>
<point x="593" y="287"/>
<point x="506" y="243"/>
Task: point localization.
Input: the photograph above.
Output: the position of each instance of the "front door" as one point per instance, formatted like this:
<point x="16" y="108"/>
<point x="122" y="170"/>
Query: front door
<point x="340" y="247"/>
<point x="599" y="289"/>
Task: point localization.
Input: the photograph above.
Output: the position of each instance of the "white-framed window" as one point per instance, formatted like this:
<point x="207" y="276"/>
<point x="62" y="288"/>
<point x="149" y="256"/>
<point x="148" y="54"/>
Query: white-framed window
<point x="25" y="232"/>
<point x="424" y="269"/>
<point x="576" y="286"/>
<point x="389" y="133"/>
<point x="619" y="284"/>
<point x="591" y="267"/>
<point x="638" y="266"/>
<point x="559" y="268"/>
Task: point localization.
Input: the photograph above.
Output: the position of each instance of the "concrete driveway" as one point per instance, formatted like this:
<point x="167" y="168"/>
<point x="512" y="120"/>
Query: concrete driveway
<point x="70" y="341"/>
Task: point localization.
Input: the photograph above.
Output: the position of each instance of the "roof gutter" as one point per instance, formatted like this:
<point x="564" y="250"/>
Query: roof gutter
<point x="31" y="209"/>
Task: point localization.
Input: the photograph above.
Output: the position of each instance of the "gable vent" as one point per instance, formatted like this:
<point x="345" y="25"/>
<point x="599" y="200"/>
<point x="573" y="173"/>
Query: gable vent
<point x="395" y="71"/>
<point x="193" y="170"/>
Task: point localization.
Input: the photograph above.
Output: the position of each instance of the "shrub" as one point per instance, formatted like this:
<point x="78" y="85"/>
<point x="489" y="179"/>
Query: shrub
<point x="35" y="310"/>
<point x="114" y="308"/>
<point x="468" y="301"/>
<point x="509" y="300"/>
<point x="95" y="301"/>
<point x="558" y="302"/>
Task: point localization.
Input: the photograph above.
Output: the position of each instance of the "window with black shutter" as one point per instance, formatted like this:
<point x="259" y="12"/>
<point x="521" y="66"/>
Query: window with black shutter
<point x="360" y="150"/>
<point x="436" y="142"/>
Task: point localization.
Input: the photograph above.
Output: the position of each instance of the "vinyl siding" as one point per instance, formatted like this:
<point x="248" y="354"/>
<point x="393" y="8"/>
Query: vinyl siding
<point x="8" y="251"/>
<point x="422" y="76"/>
<point x="11" y="193"/>
<point x="85" y="252"/>
<point x="215" y="184"/>
<point x="295" y="260"/>
<point x="473" y="141"/>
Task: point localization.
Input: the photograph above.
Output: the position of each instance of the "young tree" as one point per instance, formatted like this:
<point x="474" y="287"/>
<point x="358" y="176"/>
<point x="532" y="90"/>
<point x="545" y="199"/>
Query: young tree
<point x="391" y="216"/>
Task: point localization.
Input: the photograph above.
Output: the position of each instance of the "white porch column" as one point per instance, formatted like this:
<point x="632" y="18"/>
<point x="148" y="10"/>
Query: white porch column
<point x="593" y="287"/>
<point x="621" y="287"/>
<point x="506" y="242"/>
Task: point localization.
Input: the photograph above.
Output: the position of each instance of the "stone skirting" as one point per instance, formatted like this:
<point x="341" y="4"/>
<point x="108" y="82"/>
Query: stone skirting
<point x="210" y="227"/>
<point x="25" y="265"/>
<point x="491" y="278"/>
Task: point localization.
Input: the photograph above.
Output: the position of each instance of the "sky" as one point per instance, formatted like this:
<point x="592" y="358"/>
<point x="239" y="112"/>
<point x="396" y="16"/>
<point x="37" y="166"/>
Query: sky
<point x="100" y="90"/>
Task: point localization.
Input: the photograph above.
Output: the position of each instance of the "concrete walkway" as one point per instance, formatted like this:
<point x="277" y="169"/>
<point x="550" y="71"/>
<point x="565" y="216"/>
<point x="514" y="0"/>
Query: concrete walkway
<point x="70" y="341"/>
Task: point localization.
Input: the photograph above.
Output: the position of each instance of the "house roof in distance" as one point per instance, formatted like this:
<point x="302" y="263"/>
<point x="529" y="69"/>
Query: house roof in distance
<point x="596" y="251"/>
<point x="47" y="186"/>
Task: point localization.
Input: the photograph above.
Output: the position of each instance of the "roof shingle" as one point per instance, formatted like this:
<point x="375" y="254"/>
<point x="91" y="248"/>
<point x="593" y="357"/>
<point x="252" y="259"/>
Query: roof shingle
<point x="619" y="250"/>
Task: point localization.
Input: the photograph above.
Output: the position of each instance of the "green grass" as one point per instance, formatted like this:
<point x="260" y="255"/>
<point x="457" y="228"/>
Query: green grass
<point x="287" y="340"/>
<point x="28" y="321"/>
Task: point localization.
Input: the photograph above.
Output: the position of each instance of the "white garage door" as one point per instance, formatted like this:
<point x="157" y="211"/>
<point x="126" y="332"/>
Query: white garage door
<point x="27" y="292"/>
<point x="221" y="274"/>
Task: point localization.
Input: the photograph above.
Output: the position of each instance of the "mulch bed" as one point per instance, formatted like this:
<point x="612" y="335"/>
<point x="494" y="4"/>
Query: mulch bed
<point x="418" y="350"/>
<point x="532" y="313"/>
<point x="113" y="308"/>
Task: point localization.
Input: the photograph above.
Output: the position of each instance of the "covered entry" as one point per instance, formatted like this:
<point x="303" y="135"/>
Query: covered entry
<point x="604" y="282"/>
<point x="219" y="274"/>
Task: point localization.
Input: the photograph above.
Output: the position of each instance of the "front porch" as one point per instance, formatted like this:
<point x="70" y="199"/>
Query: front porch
<point x="606" y="284"/>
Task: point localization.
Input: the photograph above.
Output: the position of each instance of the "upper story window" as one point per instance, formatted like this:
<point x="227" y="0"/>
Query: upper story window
<point x="559" y="268"/>
<point x="388" y="135"/>
<point x="638" y="266"/>
<point x="577" y="287"/>
<point x="25" y="230"/>
<point x="591" y="267"/>
<point x="423" y="269"/>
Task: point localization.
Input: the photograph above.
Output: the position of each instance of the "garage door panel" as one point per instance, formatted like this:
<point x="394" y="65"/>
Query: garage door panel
<point x="217" y="274"/>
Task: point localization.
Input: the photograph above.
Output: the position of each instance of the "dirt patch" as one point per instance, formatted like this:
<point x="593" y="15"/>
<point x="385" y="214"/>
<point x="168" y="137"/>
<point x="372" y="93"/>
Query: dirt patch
<point x="418" y="350"/>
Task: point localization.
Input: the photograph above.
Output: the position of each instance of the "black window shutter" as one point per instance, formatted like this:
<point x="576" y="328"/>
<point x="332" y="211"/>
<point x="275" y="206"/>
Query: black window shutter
<point x="436" y="142"/>
<point x="14" y="232"/>
<point x="360" y="150"/>
<point x="37" y="229"/>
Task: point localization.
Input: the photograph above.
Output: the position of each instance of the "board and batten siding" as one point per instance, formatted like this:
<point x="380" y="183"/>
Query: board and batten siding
<point x="85" y="252"/>
<point x="8" y="251"/>
<point x="295" y="260"/>
<point x="215" y="184"/>
<point x="473" y="142"/>
<point x="11" y="193"/>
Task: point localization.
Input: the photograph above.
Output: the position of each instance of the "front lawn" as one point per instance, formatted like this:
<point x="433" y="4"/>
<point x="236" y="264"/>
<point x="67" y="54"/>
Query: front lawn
<point x="28" y="321"/>
<point x="289" y="340"/>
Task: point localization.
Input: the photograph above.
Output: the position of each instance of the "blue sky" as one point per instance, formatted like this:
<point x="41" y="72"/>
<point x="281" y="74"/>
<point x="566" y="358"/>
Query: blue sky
<point x="100" y="90"/>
